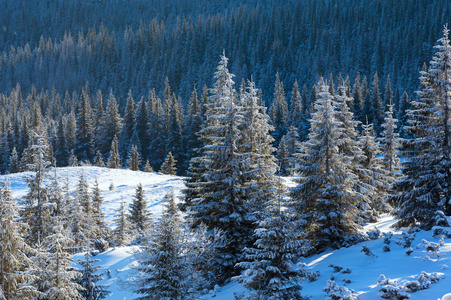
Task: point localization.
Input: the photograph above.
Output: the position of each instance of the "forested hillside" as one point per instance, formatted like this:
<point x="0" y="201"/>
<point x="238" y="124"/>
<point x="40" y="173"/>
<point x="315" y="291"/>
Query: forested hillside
<point x="341" y="96"/>
<point x="135" y="44"/>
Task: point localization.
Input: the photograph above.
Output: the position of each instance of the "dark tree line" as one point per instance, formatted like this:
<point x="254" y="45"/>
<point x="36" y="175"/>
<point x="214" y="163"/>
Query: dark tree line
<point x="135" y="44"/>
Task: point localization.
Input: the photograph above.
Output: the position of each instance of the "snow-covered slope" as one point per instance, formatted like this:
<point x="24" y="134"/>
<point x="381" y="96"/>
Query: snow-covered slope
<point x="365" y="270"/>
<point x="155" y="185"/>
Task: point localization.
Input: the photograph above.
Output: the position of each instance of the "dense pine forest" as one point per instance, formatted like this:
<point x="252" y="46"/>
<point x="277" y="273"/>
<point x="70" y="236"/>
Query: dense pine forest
<point x="348" y="98"/>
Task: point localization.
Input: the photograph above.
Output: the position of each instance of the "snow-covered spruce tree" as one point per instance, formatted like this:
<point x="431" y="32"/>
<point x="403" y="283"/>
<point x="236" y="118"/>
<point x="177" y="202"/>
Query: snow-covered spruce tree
<point x="59" y="200"/>
<point x="324" y="196"/>
<point x="193" y="123"/>
<point x="15" y="264"/>
<point x="139" y="215"/>
<point x="221" y="201"/>
<point x="91" y="289"/>
<point x="161" y="266"/>
<point x="269" y="265"/>
<point x="283" y="157"/>
<point x="84" y="137"/>
<point x="114" y="160"/>
<point x="148" y="167"/>
<point x="389" y="146"/>
<point x="168" y="166"/>
<point x="296" y="108"/>
<point x="134" y="158"/>
<point x="110" y="126"/>
<point x="293" y="146"/>
<point x="101" y="229"/>
<point x="373" y="176"/>
<point x="36" y="208"/>
<point x="121" y="233"/>
<point x="14" y="165"/>
<point x="259" y="165"/>
<point x="99" y="160"/>
<point x="425" y="187"/>
<point x="83" y="226"/>
<point x="279" y="111"/>
<point x="128" y="127"/>
<point x="350" y="147"/>
<point x="55" y="278"/>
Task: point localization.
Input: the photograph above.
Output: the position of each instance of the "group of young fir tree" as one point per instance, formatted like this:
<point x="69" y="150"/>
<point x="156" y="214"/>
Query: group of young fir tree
<point x="346" y="176"/>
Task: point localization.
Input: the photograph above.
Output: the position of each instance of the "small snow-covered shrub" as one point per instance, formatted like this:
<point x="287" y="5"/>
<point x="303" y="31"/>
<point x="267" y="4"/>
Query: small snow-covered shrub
<point x="336" y="268"/>
<point x="440" y="219"/>
<point x="431" y="246"/>
<point x="387" y="238"/>
<point x="367" y="251"/>
<point x="389" y="289"/>
<point x="374" y="234"/>
<point x="386" y="248"/>
<point x="101" y="245"/>
<point x="346" y="280"/>
<point x="352" y="240"/>
<point x="346" y="271"/>
<point x="423" y="282"/>
<point x="406" y="239"/>
<point x="338" y="292"/>
<point x="440" y="231"/>
<point x="409" y="251"/>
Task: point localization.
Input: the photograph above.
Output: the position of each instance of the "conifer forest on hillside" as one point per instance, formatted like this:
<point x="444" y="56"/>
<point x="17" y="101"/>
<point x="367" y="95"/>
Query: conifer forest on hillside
<point x="293" y="126"/>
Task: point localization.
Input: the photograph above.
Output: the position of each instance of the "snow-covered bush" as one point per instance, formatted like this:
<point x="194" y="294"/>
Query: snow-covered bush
<point x="338" y="292"/>
<point x="440" y="219"/>
<point x="309" y="275"/>
<point x="406" y="239"/>
<point x="409" y="251"/>
<point x="374" y="234"/>
<point x="346" y="271"/>
<point x="389" y="289"/>
<point x="336" y="268"/>
<point x="101" y="245"/>
<point x="368" y="252"/>
<point x="431" y="246"/>
<point x="423" y="282"/>
<point x="440" y="231"/>
<point x="387" y="238"/>
<point x="386" y="248"/>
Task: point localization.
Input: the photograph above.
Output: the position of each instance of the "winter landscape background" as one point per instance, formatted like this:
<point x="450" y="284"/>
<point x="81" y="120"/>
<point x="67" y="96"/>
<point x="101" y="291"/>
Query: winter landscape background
<point x="229" y="150"/>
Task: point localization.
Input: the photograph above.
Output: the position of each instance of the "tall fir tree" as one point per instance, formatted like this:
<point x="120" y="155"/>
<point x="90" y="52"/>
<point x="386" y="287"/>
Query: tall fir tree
<point x="425" y="187"/>
<point x="279" y="111"/>
<point x="162" y="266"/>
<point x="15" y="263"/>
<point x="83" y="147"/>
<point x="128" y="129"/>
<point x="139" y="215"/>
<point x="88" y="281"/>
<point x="389" y="148"/>
<point x="36" y="208"/>
<point x="324" y="196"/>
<point x="374" y="177"/>
<point x="110" y="125"/>
<point x="217" y="198"/>
<point x="121" y="232"/>
<point x="114" y="160"/>
<point x="269" y="266"/>
<point x="296" y="108"/>
<point x="134" y="158"/>
<point x="55" y="278"/>
<point x="168" y="166"/>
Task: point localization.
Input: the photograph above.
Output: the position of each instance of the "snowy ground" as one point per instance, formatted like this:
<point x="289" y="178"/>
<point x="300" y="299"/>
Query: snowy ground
<point x="365" y="270"/>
